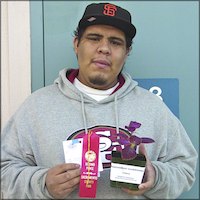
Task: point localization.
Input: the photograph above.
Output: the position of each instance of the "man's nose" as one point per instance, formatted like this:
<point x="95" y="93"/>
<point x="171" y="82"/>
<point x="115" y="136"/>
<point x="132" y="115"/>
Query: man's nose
<point x="104" y="47"/>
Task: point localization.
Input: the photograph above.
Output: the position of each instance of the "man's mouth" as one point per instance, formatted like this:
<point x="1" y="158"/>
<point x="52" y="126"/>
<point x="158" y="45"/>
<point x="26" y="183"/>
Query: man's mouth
<point x="101" y="63"/>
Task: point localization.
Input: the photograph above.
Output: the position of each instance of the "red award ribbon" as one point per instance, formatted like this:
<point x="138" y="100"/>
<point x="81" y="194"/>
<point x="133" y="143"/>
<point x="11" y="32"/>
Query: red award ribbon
<point x="89" y="169"/>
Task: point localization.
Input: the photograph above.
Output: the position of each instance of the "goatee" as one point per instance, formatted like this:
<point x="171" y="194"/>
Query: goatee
<point x="98" y="81"/>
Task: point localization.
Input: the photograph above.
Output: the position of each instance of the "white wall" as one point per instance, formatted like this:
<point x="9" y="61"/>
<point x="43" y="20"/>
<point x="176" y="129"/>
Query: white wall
<point x="15" y="56"/>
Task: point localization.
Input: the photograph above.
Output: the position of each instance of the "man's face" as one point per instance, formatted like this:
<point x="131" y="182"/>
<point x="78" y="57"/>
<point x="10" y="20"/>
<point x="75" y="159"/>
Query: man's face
<point x="101" y="54"/>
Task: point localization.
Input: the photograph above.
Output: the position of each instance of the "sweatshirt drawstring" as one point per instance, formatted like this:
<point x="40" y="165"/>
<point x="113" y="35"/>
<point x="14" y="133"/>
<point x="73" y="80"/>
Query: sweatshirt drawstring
<point x="83" y="113"/>
<point x="116" y="115"/>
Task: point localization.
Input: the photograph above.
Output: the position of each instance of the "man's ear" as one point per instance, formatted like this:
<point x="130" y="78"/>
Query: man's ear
<point x="128" y="51"/>
<point x="76" y="45"/>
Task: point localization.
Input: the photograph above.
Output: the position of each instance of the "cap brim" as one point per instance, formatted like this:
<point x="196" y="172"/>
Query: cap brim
<point x="127" y="28"/>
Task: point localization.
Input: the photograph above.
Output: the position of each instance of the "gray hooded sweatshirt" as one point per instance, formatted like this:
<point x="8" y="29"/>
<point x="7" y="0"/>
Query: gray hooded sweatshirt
<point x="32" y="139"/>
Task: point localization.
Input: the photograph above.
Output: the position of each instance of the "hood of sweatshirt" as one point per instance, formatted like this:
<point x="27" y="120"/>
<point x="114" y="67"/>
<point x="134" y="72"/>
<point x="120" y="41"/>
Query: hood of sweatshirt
<point x="67" y="88"/>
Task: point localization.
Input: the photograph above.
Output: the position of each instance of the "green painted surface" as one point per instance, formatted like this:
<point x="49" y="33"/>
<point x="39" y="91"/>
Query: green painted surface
<point x="37" y="49"/>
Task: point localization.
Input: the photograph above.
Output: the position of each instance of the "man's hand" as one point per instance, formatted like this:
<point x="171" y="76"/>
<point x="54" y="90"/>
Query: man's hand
<point x="62" y="179"/>
<point x="149" y="176"/>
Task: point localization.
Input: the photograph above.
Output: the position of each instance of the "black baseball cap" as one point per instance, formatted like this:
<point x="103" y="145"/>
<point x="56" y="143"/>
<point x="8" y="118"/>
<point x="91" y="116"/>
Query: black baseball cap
<point x="108" y="14"/>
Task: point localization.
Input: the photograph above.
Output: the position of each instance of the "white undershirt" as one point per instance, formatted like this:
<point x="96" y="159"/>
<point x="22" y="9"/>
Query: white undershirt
<point x="96" y="94"/>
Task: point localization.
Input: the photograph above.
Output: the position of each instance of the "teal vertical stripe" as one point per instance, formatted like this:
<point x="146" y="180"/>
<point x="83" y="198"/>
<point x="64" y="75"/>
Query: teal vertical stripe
<point x="37" y="46"/>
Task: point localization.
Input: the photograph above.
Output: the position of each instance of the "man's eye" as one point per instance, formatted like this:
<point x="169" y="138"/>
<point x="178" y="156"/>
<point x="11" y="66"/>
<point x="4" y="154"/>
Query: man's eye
<point x="93" y="38"/>
<point x="115" y="42"/>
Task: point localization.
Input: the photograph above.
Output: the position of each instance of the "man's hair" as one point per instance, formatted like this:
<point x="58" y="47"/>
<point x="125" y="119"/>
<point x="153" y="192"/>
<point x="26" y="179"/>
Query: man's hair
<point x="79" y="33"/>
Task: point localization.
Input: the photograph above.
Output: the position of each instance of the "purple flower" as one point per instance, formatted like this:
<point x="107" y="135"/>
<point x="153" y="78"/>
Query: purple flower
<point x="131" y="143"/>
<point x="132" y="126"/>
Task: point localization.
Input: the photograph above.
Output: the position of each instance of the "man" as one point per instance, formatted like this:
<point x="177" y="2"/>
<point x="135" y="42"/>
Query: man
<point x="97" y="96"/>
